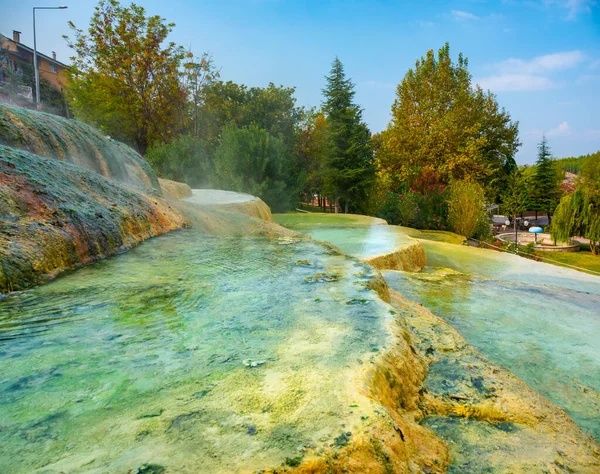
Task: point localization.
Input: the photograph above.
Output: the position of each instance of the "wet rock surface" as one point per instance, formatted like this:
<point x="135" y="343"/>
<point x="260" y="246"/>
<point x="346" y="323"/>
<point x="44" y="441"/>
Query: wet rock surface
<point x="74" y="142"/>
<point x="55" y="217"/>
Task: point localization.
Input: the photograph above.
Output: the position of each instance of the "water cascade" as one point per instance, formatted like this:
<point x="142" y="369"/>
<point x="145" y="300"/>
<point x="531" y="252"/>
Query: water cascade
<point x="74" y="142"/>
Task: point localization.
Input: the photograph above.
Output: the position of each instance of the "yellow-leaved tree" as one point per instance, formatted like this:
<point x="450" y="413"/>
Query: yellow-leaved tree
<point x="443" y="126"/>
<point x="125" y="75"/>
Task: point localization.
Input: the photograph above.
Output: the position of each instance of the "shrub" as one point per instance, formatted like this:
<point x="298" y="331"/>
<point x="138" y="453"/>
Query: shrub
<point x="400" y="209"/>
<point x="466" y="212"/>
<point x="390" y="209"/>
<point x="432" y="210"/>
<point x="408" y="206"/>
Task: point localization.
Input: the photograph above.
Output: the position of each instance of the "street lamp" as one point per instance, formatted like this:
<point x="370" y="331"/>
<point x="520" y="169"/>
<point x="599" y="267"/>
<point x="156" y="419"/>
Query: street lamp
<point x="525" y="223"/>
<point x="35" y="62"/>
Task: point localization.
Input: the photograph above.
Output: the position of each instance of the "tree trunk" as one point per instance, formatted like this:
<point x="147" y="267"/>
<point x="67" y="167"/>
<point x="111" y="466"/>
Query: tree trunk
<point x="142" y="146"/>
<point x="337" y="205"/>
<point x="346" y="207"/>
<point x="196" y="119"/>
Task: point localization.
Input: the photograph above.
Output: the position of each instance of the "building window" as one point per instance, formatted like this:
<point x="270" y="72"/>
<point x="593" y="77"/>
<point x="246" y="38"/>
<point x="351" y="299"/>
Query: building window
<point x="53" y="67"/>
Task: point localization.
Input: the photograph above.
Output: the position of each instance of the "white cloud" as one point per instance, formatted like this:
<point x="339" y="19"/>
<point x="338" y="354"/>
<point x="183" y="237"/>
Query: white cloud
<point x="578" y="6"/>
<point x="516" y="82"/>
<point x="573" y="7"/>
<point x="463" y="15"/>
<point x="528" y="75"/>
<point x="542" y="64"/>
<point x="562" y="130"/>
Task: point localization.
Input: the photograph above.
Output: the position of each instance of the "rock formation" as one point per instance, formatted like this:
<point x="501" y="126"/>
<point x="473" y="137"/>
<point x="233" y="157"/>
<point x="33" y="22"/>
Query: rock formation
<point x="74" y="142"/>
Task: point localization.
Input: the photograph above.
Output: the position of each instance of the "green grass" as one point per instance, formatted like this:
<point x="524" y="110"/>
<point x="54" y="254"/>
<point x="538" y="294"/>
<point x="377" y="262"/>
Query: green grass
<point x="583" y="259"/>
<point x="296" y="219"/>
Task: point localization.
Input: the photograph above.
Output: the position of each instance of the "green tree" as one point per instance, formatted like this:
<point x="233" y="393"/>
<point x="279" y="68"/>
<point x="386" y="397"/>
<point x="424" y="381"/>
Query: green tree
<point x="198" y="73"/>
<point x="251" y="160"/>
<point x="125" y="76"/>
<point x="272" y="108"/>
<point x="349" y="163"/>
<point x="443" y="125"/>
<point x="590" y="175"/>
<point x="466" y="207"/>
<point x="578" y="214"/>
<point x="546" y="186"/>
<point x="186" y="159"/>
<point x="312" y="140"/>
<point x="515" y="198"/>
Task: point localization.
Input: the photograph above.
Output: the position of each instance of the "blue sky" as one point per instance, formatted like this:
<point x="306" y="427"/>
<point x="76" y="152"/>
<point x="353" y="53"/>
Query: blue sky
<point x="541" y="57"/>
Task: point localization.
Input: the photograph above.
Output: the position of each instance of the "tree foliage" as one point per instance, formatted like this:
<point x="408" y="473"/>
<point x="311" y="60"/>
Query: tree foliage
<point x="442" y="125"/>
<point x="349" y="168"/>
<point x="125" y="75"/>
<point x="186" y="159"/>
<point x="466" y="207"/>
<point x="251" y="160"/>
<point x="515" y="198"/>
<point x="546" y="185"/>
<point x="198" y="73"/>
<point x="578" y="214"/>
<point x="572" y="164"/>
<point x="272" y="108"/>
<point x="312" y="140"/>
<point x="233" y="118"/>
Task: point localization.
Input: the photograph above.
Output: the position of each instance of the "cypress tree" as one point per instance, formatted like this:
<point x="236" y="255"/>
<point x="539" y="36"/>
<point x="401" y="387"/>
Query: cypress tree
<point x="546" y="192"/>
<point x="349" y="164"/>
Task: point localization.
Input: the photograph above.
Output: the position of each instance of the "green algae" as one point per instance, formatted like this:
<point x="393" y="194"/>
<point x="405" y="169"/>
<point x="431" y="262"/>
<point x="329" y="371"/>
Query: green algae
<point x="141" y="356"/>
<point x="56" y="216"/>
<point x="55" y="137"/>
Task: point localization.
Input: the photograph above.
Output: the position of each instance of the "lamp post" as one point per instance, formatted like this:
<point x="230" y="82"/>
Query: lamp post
<point x="38" y="102"/>
<point x="525" y="223"/>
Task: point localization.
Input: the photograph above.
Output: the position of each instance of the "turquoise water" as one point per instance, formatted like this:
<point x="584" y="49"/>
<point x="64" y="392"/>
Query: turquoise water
<point x="361" y="242"/>
<point x="539" y="321"/>
<point x="188" y="353"/>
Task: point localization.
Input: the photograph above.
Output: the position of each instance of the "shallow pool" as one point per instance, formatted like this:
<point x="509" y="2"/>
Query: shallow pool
<point x="539" y="321"/>
<point x="360" y="241"/>
<point x="192" y="353"/>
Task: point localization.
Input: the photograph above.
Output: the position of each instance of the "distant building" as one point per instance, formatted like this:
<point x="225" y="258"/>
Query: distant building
<point x="14" y="54"/>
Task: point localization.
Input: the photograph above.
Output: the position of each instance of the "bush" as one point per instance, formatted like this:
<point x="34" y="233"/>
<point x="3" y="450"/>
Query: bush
<point x="251" y="160"/>
<point x="408" y="206"/>
<point x="185" y="159"/>
<point x="432" y="210"/>
<point x="466" y="212"/>
<point x="390" y="209"/>
<point x="483" y="231"/>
